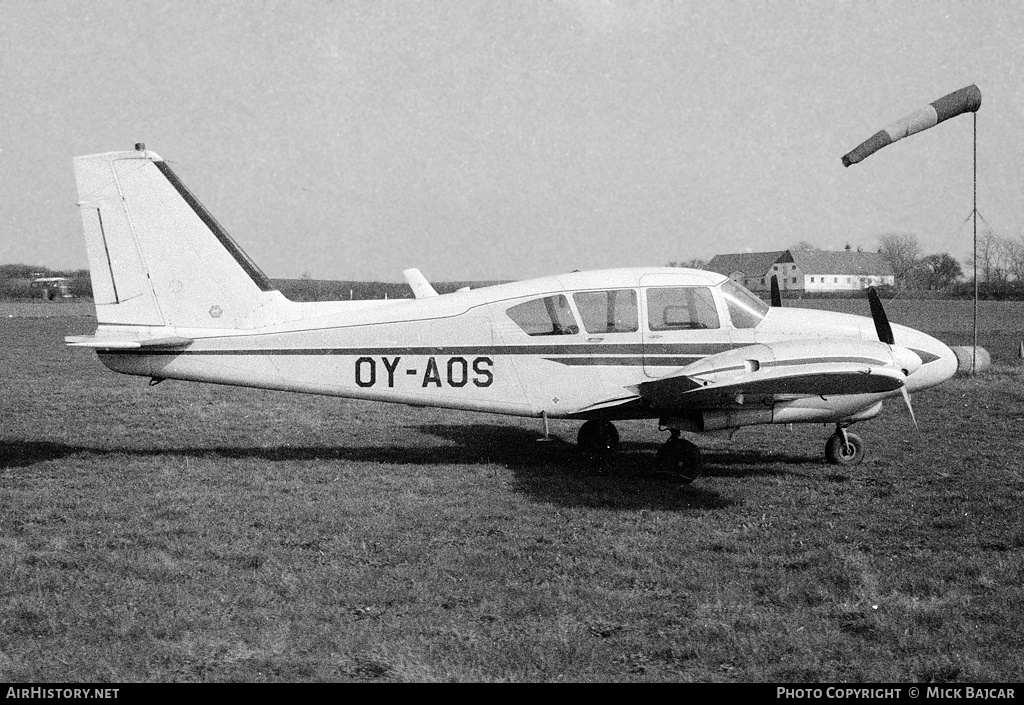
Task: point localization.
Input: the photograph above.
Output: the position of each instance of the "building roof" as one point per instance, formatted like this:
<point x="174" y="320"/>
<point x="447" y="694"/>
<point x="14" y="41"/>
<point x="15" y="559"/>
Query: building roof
<point x="841" y="262"/>
<point x="759" y="264"/>
<point x="755" y="264"/>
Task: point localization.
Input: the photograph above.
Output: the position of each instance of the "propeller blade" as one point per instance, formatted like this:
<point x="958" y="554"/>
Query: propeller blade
<point x="906" y="398"/>
<point x="776" y="294"/>
<point x="882" y="326"/>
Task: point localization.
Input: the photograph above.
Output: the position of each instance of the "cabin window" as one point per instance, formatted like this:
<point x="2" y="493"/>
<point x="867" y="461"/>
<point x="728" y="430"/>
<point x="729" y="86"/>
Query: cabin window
<point x="682" y="308"/>
<point x="745" y="309"/>
<point x="612" y="311"/>
<point x="547" y="316"/>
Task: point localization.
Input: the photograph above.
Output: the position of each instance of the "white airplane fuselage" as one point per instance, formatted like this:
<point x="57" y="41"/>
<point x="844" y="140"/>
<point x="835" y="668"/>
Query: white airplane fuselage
<point x="462" y="350"/>
<point x="177" y="298"/>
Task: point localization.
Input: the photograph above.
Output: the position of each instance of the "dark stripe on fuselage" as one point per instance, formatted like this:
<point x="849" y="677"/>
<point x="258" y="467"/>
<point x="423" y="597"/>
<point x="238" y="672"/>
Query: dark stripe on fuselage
<point x="631" y="354"/>
<point x="633" y="360"/>
<point x="691" y="351"/>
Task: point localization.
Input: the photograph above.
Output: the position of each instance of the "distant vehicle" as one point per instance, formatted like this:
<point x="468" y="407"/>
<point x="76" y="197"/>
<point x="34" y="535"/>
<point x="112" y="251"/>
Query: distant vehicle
<point x="176" y="298"/>
<point x="53" y="287"/>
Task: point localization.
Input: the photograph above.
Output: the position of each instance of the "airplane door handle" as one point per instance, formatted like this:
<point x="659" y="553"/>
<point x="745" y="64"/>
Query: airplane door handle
<point x="594" y="340"/>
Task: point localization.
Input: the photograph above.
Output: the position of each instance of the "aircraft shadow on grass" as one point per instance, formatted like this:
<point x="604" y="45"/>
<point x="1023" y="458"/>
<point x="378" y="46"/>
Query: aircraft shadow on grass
<point x="551" y="472"/>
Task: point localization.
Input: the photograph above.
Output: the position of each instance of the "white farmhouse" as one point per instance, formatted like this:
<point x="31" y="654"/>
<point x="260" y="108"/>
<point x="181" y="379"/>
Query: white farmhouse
<point x="844" y="270"/>
<point x="805" y="270"/>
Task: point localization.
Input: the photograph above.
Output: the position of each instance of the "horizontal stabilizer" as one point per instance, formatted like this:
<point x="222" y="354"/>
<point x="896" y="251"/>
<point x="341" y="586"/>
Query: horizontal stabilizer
<point x="101" y="343"/>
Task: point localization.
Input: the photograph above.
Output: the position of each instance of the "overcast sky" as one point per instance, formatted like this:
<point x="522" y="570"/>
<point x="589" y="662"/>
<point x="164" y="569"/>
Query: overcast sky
<point x="505" y="140"/>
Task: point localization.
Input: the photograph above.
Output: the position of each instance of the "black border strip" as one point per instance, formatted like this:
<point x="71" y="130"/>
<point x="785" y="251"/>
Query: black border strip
<point x="255" y="273"/>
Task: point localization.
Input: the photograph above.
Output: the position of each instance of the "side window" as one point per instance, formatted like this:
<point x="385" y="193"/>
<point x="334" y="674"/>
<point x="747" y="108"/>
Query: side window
<point x="745" y="309"/>
<point x="681" y="308"/>
<point x="607" y="311"/>
<point x="547" y="316"/>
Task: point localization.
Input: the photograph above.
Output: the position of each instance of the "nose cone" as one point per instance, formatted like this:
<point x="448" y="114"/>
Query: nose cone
<point x="938" y="362"/>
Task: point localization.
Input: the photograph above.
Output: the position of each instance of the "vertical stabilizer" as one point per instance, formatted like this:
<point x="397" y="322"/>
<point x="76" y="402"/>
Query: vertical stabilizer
<point x="156" y="255"/>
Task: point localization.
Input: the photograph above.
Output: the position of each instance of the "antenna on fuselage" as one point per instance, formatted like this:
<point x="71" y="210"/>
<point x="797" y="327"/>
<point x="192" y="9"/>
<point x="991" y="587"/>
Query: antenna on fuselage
<point x="421" y="288"/>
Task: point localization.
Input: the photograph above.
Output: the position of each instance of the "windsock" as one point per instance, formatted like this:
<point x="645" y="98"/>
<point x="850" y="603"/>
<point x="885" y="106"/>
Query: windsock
<point x="965" y="100"/>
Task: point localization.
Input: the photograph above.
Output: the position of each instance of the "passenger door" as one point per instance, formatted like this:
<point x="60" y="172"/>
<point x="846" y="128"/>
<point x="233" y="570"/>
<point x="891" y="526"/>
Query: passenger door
<point x="612" y="345"/>
<point x="680" y="325"/>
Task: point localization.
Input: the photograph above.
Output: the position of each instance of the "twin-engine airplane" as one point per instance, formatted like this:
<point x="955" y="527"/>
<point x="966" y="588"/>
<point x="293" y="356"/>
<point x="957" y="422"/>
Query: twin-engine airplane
<point x="176" y="298"/>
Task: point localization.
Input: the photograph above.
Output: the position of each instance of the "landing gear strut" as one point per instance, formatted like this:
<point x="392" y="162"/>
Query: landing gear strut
<point x="598" y="438"/>
<point x="844" y="448"/>
<point x="681" y="458"/>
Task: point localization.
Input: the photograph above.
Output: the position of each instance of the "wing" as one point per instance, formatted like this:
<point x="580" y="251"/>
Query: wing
<point x="681" y="391"/>
<point x="778" y="371"/>
<point x="766" y="373"/>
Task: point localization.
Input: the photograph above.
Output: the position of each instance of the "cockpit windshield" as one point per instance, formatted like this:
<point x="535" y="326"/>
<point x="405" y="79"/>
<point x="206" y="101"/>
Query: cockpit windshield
<point x="745" y="309"/>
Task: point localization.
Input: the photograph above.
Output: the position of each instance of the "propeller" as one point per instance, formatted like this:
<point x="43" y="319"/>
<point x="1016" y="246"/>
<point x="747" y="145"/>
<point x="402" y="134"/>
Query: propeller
<point x="885" y="335"/>
<point x="776" y="294"/>
<point x="882" y="326"/>
<point x="906" y="398"/>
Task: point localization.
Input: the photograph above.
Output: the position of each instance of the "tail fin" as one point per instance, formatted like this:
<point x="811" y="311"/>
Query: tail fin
<point x="156" y="255"/>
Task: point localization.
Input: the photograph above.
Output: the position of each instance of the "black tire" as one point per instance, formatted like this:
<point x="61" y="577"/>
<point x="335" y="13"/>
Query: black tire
<point x="598" y="438"/>
<point x="682" y="459"/>
<point x="845" y="454"/>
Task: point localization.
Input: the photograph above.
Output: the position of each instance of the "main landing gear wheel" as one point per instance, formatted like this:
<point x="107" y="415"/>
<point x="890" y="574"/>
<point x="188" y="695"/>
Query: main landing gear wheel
<point x="844" y="448"/>
<point x="681" y="458"/>
<point x="598" y="438"/>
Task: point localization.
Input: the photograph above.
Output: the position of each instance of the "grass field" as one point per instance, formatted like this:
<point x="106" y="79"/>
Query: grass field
<point x="200" y="533"/>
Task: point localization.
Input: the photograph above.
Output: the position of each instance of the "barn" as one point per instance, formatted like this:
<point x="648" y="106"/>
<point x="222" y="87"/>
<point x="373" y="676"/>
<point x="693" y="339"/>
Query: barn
<point x="753" y="269"/>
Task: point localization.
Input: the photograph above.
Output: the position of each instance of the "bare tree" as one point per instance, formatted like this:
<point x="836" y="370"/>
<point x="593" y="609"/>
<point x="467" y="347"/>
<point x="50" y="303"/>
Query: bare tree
<point x="999" y="258"/>
<point x="1015" y="252"/>
<point x="804" y="246"/>
<point x="693" y="263"/>
<point x="902" y="252"/>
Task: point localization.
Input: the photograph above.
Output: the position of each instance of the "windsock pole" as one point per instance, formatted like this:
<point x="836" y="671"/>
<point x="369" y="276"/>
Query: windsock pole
<point x="974" y="213"/>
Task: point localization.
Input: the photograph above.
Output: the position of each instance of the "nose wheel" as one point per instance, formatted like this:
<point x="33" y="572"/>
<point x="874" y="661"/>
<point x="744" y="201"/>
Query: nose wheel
<point x="844" y="448"/>
<point x="681" y="458"/>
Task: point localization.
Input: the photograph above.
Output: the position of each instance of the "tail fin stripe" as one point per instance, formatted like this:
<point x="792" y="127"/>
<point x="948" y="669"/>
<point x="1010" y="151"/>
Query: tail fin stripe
<point x="255" y="273"/>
